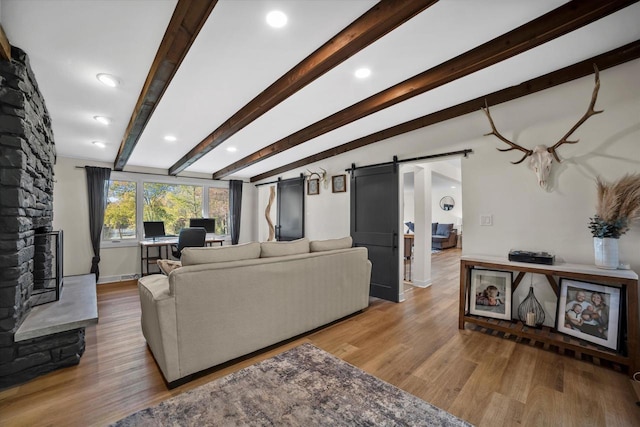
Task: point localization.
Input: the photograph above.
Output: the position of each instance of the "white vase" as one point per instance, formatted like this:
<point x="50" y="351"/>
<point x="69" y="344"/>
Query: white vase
<point x="606" y="252"/>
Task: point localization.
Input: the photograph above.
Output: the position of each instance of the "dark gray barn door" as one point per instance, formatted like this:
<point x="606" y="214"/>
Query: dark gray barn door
<point x="290" y="209"/>
<point x="374" y="225"/>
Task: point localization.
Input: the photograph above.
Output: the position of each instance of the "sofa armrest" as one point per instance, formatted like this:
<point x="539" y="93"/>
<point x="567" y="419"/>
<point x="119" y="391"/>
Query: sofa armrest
<point x="453" y="238"/>
<point x="159" y="325"/>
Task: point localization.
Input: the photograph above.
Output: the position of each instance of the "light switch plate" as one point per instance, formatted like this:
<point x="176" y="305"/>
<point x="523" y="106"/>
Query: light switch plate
<point x="486" y="219"/>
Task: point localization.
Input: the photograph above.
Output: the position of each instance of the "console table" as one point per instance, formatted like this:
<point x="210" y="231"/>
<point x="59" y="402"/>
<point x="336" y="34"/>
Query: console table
<point x="626" y="280"/>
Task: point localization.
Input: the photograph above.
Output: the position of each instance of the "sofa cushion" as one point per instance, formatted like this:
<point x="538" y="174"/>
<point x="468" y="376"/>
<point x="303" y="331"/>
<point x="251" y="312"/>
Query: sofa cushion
<point x="444" y="229"/>
<point x="434" y="227"/>
<point x="331" y="244"/>
<point x="273" y="249"/>
<point x="195" y="256"/>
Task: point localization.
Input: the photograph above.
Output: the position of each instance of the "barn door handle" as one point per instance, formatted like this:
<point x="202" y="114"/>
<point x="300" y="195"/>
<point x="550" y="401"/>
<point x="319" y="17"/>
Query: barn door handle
<point x="394" y="244"/>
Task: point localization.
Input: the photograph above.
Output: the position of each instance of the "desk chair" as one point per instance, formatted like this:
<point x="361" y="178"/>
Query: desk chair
<point x="193" y="237"/>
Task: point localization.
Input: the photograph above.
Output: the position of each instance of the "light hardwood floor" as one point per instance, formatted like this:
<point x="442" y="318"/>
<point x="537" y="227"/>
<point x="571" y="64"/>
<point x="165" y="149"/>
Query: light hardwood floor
<point x="415" y="345"/>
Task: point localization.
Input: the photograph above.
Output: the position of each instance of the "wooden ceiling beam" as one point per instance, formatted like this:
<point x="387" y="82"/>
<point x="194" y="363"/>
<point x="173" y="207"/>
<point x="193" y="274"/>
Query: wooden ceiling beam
<point x="372" y="25"/>
<point x="610" y="59"/>
<point x="186" y="22"/>
<point x="562" y="20"/>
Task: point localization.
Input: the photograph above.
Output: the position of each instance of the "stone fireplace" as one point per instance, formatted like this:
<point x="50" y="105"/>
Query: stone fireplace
<point x="26" y="208"/>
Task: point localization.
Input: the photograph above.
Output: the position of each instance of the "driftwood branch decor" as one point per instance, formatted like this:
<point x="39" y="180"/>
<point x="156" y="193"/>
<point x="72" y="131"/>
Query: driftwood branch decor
<point x="267" y="213"/>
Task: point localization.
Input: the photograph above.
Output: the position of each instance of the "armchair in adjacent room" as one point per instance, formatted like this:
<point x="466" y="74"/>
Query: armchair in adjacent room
<point x="192" y="237"/>
<point x="443" y="236"/>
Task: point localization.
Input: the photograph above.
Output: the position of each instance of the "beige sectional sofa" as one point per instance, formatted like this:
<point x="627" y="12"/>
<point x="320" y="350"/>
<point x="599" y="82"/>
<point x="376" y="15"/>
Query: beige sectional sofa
<point x="226" y="302"/>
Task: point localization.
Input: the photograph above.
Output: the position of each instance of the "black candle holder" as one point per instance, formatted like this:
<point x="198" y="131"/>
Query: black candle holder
<point x="530" y="311"/>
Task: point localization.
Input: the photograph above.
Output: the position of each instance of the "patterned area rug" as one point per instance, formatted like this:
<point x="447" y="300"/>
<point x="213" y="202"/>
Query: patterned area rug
<point x="304" y="386"/>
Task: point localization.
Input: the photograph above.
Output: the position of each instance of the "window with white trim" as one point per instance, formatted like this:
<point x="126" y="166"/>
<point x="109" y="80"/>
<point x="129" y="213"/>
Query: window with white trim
<point x="134" y="198"/>
<point x="120" y="213"/>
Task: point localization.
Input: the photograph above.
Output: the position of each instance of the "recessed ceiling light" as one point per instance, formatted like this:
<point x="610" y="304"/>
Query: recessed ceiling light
<point x="276" y="19"/>
<point x="232" y="149"/>
<point x="453" y="186"/>
<point x="99" y="144"/>
<point x="362" y="73"/>
<point x="170" y="138"/>
<point x="108" y="80"/>
<point x="102" y="119"/>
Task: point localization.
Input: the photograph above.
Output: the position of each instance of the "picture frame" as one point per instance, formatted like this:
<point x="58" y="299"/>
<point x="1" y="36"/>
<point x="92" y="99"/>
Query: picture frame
<point x="590" y="311"/>
<point x="313" y="187"/>
<point x="490" y="293"/>
<point x="339" y="183"/>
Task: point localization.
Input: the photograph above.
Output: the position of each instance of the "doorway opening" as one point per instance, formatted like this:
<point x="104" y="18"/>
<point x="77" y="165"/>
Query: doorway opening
<point x="431" y="212"/>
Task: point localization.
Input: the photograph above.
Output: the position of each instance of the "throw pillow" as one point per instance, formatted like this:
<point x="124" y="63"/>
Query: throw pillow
<point x="168" y="265"/>
<point x="274" y="249"/>
<point x="331" y="244"/>
<point x="434" y="227"/>
<point x="444" y="229"/>
<point x="195" y="256"/>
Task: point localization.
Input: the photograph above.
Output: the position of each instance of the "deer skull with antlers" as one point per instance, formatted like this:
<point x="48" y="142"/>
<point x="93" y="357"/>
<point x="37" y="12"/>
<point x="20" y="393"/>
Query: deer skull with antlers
<point x="541" y="157"/>
<point x="322" y="176"/>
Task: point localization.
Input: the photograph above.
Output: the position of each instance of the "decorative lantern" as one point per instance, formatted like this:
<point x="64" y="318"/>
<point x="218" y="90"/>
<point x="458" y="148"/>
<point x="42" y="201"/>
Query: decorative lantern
<point x="530" y="311"/>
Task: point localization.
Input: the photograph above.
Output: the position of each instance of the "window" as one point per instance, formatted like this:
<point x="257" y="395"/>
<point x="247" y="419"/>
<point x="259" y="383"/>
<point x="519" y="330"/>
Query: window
<point x="134" y="198"/>
<point x="219" y="208"/>
<point x="172" y="204"/>
<point x="120" y="213"/>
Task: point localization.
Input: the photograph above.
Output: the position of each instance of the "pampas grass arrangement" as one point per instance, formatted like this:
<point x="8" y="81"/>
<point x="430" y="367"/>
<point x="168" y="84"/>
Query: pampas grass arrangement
<point x="618" y="205"/>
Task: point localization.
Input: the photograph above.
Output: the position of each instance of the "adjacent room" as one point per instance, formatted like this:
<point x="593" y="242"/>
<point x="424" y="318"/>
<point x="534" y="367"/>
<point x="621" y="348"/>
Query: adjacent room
<point x="354" y="212"/>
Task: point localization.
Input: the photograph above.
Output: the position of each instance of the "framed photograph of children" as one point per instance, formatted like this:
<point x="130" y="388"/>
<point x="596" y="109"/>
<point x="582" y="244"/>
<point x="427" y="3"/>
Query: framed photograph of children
<point x="490" y="294"/>
<point x="313" y="187"/>
<point x="589" y="311"/>
<point x="338" y="184"/>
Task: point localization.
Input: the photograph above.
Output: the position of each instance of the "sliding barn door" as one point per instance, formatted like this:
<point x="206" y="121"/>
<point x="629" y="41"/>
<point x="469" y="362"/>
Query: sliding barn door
<point x="374" y="225"/>
<point x="290" y="224"/>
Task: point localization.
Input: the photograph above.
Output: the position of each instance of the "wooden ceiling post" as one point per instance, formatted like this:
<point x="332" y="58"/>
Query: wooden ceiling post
<point x="609" y="59"/>
<point x="371" y="26"/>
<point x="562" y="20"/>
<point x="188" y="18"/>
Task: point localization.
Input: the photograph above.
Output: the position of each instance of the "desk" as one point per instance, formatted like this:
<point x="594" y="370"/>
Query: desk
<point x="165" y="243"/>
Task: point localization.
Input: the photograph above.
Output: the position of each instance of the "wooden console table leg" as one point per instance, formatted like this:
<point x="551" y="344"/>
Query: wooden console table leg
<point x="464" y="279"/>
<point x="632" y="327"/>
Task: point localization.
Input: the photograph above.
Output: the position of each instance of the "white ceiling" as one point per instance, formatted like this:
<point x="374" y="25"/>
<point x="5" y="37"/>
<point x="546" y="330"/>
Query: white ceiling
<point x="236" y="56"/>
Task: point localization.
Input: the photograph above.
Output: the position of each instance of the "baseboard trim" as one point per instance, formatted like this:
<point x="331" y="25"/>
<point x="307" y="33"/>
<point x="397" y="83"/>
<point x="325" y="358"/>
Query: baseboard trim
<point x="422" y="283"/>
<point x="120" y="278"/>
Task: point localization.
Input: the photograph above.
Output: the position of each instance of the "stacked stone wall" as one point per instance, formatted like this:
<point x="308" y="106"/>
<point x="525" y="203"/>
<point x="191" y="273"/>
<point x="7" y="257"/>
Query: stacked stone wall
<point x="27" y="157"/>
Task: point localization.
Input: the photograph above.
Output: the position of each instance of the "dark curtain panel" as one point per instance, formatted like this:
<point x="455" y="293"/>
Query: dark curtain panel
<point x="97" y="186"/>
<point x="235" y="206"/>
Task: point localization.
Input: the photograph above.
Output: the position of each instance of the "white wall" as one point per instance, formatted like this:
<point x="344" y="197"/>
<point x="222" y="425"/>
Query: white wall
<point x="70" y="214"/>
<point x="525" y="216"/>
<point x="326" y="214"/>
<point x="446" y="217"/>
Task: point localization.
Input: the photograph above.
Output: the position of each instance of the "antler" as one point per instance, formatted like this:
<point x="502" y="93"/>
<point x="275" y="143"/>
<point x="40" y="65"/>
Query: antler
<point x="590" y="112"/>
<point x="313" y="173"/>
<point x="513" y="146"/>
<point x="321" y="176"/>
